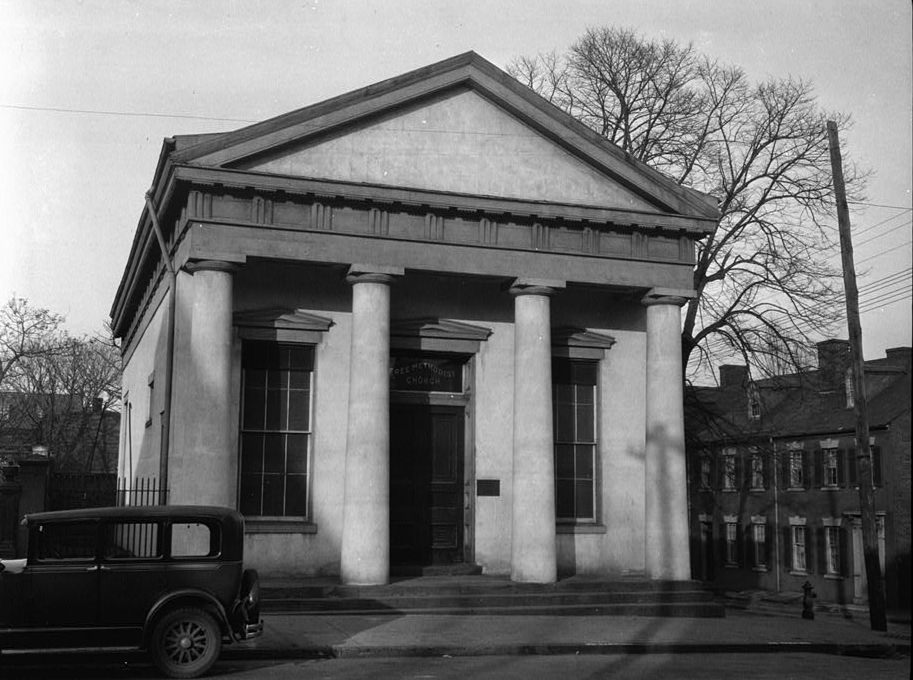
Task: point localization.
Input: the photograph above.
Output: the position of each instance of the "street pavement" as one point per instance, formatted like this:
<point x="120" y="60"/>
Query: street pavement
<point x="291" y="636"/>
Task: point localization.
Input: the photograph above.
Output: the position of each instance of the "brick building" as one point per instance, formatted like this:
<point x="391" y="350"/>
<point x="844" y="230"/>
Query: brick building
<point x="773" y="489"/>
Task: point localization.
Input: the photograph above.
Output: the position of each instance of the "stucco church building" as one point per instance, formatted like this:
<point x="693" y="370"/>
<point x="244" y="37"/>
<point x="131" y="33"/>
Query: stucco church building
<point x="431" y="323"/>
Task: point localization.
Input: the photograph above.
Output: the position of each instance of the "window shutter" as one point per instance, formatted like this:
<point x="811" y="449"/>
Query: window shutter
<point x="852" y="467"/>
<point x="876" y="466"/>
<point x="767" y="462"/>
<point x="787" y="548"/>
<point x="784" y="468"/>
<point x="841" y="463"/>
<point x="807" y="469"/>
<point x="819" y="468"/>
<point x="771" y="536"/>
<point x="739" y="543"/>
<point x="739" y="470"/>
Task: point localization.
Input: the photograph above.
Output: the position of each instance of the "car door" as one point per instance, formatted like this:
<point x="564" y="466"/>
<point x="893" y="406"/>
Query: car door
<point x="62" y="575"/>
<point x="132" y="574"/>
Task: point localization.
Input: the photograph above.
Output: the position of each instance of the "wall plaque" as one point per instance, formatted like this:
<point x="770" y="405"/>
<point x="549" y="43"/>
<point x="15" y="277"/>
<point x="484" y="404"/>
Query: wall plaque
<point x="426" y="374"/>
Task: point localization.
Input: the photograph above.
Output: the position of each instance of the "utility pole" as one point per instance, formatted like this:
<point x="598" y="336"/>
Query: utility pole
<point x="877" y="615"/>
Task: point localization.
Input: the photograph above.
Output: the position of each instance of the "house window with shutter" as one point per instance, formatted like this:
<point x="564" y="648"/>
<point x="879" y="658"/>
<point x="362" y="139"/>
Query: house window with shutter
<point x="831" y="468"/>
<point x="730" y="479"/>
<point x="832" y="550"/>
<point x="759" y="543"/>
<point x="798" y="542"/>
<point x="796" y="469"/>
<point x="758" y="482"/>
<point x="732" y="542"/>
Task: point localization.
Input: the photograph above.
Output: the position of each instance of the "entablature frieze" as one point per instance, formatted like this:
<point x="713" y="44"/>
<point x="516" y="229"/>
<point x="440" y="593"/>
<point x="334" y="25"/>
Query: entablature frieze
<point x="620" y="235"/>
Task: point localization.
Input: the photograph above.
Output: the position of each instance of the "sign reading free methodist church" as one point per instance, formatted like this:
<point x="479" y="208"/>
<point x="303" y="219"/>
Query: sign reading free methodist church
<point x="521" y="276"/>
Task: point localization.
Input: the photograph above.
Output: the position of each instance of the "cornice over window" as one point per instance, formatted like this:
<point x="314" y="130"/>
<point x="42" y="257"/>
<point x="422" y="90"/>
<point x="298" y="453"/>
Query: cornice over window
<point x="437" y="335"/>
<point x="580" y="343"/>
<point x="281" y="323"/>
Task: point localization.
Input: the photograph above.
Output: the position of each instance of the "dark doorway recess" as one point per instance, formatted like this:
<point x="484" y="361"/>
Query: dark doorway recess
<point x="426" y="485"/>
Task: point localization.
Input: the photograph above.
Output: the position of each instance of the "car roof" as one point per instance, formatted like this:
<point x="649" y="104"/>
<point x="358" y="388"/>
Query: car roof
<point x="136" y="512"/>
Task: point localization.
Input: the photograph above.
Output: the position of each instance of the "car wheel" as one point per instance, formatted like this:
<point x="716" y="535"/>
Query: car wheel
<point x="185" y="643"/>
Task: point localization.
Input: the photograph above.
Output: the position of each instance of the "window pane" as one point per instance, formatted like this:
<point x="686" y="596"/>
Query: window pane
<point x="564" y="498"/>
<point x="564" y="421"/>
<point x="584" y="499"/>
<point x="250" y="494"/>
<point x="67" y="541"/>
<point x="275" y="413"/>
<point x="296" y="495"/>
<point x="585" y="394"/>
<point x="192" y="540"/>
<point x="273" y="495"/>
<point x="586" y="427"/>
<point x="274" y="453"/>
<point x="132" y="540"/>
<point x="254" y="403"/>
<point x="251" y="453"/>
<point x="299" y="409"/>
<point x="297" y="455"/>
<point x="564" y="467"/>
<point x="584" y="461"/>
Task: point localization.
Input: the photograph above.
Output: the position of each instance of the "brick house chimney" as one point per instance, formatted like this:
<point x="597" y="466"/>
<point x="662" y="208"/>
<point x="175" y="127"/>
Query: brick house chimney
<point x="733" y="375"/>
<point x="833" y="362"/>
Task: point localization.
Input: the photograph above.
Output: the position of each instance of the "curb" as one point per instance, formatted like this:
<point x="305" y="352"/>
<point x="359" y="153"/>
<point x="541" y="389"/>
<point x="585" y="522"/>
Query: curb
<point x="881" y="651"/>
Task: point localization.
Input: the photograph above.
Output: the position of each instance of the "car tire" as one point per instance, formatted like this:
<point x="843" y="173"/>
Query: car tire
<point x="185" y="642"/>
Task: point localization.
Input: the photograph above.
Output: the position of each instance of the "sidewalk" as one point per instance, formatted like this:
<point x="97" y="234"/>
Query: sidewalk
<point x="332" y="635"/>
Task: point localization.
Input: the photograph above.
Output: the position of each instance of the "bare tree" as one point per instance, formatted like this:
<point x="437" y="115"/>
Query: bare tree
<point x="765" y="285"/>
<point x="61" y="388"/>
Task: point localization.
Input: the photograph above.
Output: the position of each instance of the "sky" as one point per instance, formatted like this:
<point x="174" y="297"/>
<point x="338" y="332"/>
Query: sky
<point x="89" y="89"/>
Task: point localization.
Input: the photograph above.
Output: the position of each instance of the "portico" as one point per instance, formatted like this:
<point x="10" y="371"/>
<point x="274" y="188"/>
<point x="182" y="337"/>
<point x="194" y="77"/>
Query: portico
<point x="434" y="321"/>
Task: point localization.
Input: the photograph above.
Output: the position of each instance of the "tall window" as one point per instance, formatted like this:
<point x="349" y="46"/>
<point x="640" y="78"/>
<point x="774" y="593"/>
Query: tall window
<point x="729" y="470"/>
<point x="757" y="470"/>
<point x="574" y="403"/>
<point x="275" y="429"/>
<point x="759" y="543"/>
<point x="796" y="472"/>
<point x="732" y="543"/>
<point x="832" y="549"/>
<point x="831" y="475"/>
<point x="706" y="480"/>
<point x="797" y="533"/>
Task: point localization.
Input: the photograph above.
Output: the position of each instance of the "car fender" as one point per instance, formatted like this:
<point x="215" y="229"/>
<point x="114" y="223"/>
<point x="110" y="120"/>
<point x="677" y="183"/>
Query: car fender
<point x="186" y="597"/>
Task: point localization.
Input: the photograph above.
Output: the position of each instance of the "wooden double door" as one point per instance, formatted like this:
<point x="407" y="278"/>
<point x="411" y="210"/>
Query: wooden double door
<point x="426" y="485"/>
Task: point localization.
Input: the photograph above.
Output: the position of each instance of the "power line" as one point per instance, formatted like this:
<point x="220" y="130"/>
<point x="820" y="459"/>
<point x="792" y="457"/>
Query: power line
<point x="878" y="224"/>
<point x="893" y="275"/>
<point x="136" y="114"/>
<point x="869" y="307"/>
<point x="884" y="252"/>
<point x="880" y="205"/>
<point x="885" y="233"/>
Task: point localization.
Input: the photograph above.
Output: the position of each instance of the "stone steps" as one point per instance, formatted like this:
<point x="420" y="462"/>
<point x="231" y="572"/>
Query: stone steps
<point x="487" y="595"/>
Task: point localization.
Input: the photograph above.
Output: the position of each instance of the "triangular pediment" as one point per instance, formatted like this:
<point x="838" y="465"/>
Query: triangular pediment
<point x="461" y="143"/>
<point x="460" y="126"/>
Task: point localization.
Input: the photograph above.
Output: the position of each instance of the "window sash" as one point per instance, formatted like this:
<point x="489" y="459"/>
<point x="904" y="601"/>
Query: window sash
<point x="759" y="537"/>
<point x="732" y="542"/>
<point x="575" y="413"/>
<point x="796" y="472"/>
<point x="832" y="549"/>
<point x="798" y="545"/>
<point x="275" y="441"/>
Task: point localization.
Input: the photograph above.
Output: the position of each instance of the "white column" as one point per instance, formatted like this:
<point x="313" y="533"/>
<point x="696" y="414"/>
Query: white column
<point x="208" y="475"/>
<point x="365" y="556"/>
<point x="666" y="500"/>
<point x="533" y="554"/>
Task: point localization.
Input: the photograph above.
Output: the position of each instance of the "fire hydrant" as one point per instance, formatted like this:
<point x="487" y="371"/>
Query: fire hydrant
<point x="808" y="604"/>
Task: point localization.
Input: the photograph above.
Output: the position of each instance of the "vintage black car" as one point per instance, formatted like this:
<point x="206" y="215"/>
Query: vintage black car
<point x="169" y="579"/>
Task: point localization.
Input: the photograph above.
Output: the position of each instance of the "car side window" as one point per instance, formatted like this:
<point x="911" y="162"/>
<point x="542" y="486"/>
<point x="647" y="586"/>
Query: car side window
<point x="195" y="539"/>
<point x="132" y="540"/>
<point x="66" y="541"/>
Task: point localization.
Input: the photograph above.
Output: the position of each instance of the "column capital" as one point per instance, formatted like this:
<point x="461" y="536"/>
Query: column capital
<point x="667" y="296"/>
<point x="372" y="273"/>
<point x="195" y="266"/>
<point x="530" y="286"/>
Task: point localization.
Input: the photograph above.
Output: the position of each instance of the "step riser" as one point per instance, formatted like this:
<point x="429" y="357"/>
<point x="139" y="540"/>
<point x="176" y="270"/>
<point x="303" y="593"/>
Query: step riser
<point x="488" y="601"/>
<point x="693" y="610"/>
